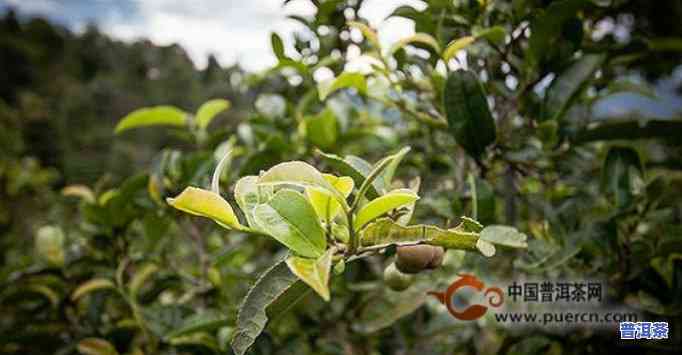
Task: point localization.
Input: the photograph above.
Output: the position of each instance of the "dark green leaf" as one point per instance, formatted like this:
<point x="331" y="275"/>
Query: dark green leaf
<point x="621" y="167"/>
<point x="466" y="107"/>
<point x="564" y="88"/>
<point x="252" y="317"/>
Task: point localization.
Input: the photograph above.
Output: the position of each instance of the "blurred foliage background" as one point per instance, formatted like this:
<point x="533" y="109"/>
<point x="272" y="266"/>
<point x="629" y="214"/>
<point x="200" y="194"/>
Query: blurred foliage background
<point x="93" y="261"/>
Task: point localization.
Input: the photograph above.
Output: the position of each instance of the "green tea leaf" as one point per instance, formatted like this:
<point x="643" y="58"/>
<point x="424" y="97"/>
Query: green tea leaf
<point x="277" y="46"/>
<point x="209" y="110"/>
<point x="252" y="317"/>
<point x="152" y="116"/>
<point x="91" y="286"/>
<point x="322" y="129"/>
<point x="141" y="276"/>
<point x="96" y="346"/>
<point x="421" y="38"/>
<point x="314" y="272"/>
<point x="564" y="88"/>
<point x="383" y="205"/>
<point x="547" y="28"/>
<point x="344" y="80"/>
<point x="199" y="322"/>
<point x="200" y="202"/>
<point x="467" y="111"/>
<point x="405" y="217"/>
<point x="290" y="219"/>
<point x="386" y="232"/>
<point x="493" y="34"/>
<point x="621" y="167"/>
<point x="505" y="236"/>
<point x="457" y="45"/>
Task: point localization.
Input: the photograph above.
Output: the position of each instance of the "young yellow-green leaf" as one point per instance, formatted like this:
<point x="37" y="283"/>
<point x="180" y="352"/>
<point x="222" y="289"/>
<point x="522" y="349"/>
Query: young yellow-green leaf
<point x="423" y="38"/>
<point x="314" y="272"/>
<point x="96" y="346"/>
<point x="326" y="206"/>
<point x="49" y="244"/>
<point x="455" y="46"/>
<point x="152" y="116"/>
<point x="302" y="174"/>
<point x="383" y="205"/>
<point x="209" y="110"/>
<point x="81" y="191"/>
<point x="322" y="129"/>
<point x="357" y="168"/>
<point x="90" y="286"/>
<point x="505" y="236"/>
<point x="140" y="277"/>
<point x="249" y="194"/>
<point x="344" y="80"/>
<point x="200" y="202"/>
<point x="369" y="33"/>
<point x="493" y="34"/>
<point x="290" y="219"/>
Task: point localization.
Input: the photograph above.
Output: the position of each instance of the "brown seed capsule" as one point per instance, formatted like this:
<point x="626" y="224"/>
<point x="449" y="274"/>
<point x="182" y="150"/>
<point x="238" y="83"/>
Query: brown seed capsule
<point x="396" y="280"/>
<point x="437" y="259"/>
<point x="415" y="258"/>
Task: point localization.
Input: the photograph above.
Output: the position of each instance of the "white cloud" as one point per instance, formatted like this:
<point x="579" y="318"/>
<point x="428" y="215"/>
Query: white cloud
<point x="233" y="30"/>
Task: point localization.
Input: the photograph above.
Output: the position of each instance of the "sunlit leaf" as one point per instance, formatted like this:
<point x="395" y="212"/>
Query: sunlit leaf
<point x="314" y="272"/>
<point x="383" y="205"/>
<point x="326" y="206"/>
<point x="300" y="174"/>
<point x="200" y="202"/>
<point x="357" y="168"/>
<point x="96" y="346"/>
<point x="140" y="277"/>
<point x="49" y="243"/>
<point x="290" y="219"/>
<point x="209" y="110"/>
<point x="249" y="194"/>
<point x="367" y="32"/>
<point x="90" y="286"/>
<point x="152" y="116"/>
<point x="343" y="81"/>
<point x="80" y="191"/>
<point x="421" y="38"/>
<point x="505" y="236"/>
<point x="457" y="45"/>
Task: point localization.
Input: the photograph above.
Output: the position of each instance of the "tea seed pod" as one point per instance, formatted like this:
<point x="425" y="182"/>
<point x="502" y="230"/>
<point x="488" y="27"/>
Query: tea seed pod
<point x="395" y="279"/>
<point x="415" y="258"/>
